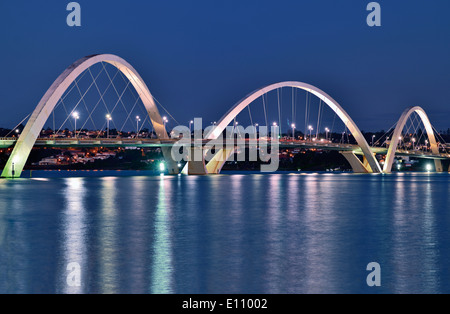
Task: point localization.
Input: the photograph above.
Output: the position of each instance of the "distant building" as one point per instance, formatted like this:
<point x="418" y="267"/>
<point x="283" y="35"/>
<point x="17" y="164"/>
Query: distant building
<point x="50" y="161"/>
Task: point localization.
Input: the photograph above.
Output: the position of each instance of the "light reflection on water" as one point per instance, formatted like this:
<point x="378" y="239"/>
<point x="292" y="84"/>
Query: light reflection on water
<point x="108" y="237"/>
<point x="257" y="233"/>
<point x="161" y="279"/>
<point x="73" y="231"/>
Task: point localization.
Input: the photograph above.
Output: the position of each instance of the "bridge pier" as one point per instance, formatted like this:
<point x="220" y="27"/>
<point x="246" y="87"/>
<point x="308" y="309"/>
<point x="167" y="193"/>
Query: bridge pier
<point x="17" y="160"/>
<point x="355" y="163"/>
<point x="196" y="163"/>
<point x="438" y="165"/>
<point x="172" y="165"/>
<point x="216" y="164"/>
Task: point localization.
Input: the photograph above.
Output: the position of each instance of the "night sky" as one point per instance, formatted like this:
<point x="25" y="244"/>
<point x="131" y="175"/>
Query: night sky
<point x="200" y="57"/>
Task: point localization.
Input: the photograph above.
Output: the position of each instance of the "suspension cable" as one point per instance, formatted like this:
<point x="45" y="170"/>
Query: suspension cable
<point x="167" y="111"/>
<point x="279" y="106"/>
<point x="141" y="108"/>
<point x="265" y="111"/>
<point x="76" y="106"/>
<point x="250" y="114"/>
<point x="389" y="132"/>
<point x="19" y="124"/>
<point x="306" y="114"/>
<point x="100" y="99"/>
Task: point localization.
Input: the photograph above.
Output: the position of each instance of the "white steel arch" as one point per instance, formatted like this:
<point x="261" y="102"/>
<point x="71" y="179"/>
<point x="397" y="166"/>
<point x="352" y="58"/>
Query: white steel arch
<point x="27" y="139"/>
<point x="398" y="133"/>
<point x="373" y="164"/>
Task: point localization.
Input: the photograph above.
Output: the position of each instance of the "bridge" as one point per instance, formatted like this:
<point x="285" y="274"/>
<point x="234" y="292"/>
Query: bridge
<point x="156" y="143"/>
<point x="361" y="156"/>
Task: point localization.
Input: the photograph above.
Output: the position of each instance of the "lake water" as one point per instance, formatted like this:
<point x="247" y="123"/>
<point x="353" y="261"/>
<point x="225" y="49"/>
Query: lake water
<point x="232" y="233"/>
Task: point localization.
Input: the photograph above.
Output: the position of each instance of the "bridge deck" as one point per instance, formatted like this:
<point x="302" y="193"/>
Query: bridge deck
<point x="157" y="143"/>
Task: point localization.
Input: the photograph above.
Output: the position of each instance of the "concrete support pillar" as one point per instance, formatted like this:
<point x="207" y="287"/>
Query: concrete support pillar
<point x="439" y="166"/>
<point x="355" y="163"/>
<point x="196" y="164"/>
<point x="172" y="165"/>
<point x="216" y="164"/>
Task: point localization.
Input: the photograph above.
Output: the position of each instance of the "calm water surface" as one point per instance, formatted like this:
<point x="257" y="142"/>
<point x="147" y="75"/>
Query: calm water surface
<point x="240" y="233"/>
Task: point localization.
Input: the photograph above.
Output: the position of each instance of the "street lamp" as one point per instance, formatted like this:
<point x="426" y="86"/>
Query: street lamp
<point x="276" y="125"/>
<point x="414" y="143"/>
<point x="138" y="119"/>
<point x="293" y="131"/>
<point x="327" y="130"/>
<point x="256" y="125"/>
<point x="75" y="116"/>
<point x="108" y="120"/>
<point x="310" y="128"/>
<point x="373" y="139"/>
<point x="190" y="126"/>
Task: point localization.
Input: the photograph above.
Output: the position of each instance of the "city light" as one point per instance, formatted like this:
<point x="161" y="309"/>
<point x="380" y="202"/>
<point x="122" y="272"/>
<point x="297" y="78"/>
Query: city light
<point x="138" y="119"/>
<point x="108" y="120"/>
<point x="165" y="121"/>
<point x="162" y="167"/>
<point x="429" y="168"/>
<point x="75" y="116"/>
<point x="310" y="128"/>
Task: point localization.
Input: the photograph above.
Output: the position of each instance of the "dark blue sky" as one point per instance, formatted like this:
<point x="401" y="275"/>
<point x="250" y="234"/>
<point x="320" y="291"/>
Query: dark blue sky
<point x="200" y="57"/>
